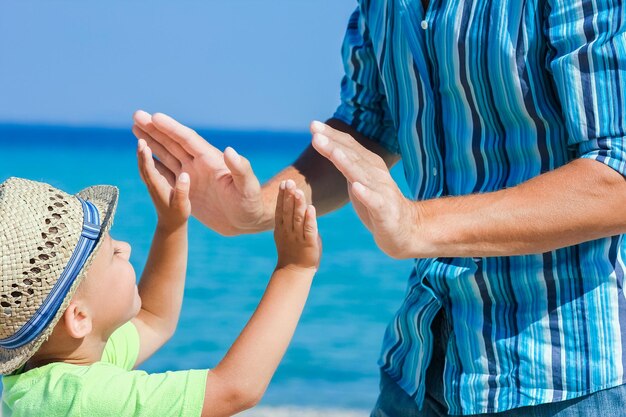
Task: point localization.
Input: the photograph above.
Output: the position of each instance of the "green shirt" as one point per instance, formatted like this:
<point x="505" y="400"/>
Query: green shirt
<point x="106" y="388"/>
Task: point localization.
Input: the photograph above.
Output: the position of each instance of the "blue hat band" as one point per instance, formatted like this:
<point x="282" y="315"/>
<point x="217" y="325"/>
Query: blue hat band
<point x="49" y="308"/>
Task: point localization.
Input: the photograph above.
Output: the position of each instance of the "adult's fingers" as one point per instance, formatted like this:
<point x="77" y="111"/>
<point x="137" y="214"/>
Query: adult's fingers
<point x="344" y="139"/>
<point x="166" y="157"/>
<point x="187" y="138"/>
<point x="374" y="202"/>
<point x="345" y="159"/>
<point x="243" y="177"/>
<point x="172" y="147"/>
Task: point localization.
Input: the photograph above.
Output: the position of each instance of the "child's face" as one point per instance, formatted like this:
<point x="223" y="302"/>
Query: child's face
<point x="110" y="287"/>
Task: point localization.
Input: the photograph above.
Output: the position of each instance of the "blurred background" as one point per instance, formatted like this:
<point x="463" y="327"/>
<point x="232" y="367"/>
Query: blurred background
<point x="248" y="74"/>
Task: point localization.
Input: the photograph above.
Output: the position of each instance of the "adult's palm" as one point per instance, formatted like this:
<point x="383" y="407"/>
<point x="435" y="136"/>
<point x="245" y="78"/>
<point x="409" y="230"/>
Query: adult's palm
<point x="225" y="194"/>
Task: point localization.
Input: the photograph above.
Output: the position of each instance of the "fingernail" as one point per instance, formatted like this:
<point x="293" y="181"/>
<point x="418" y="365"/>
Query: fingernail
<point x="183" y="178"/>
<point x="282" y="185"/>
<point x="234" y="154"/>
<point x="321" y="139"/>
<point x="317" y="125"/>
<point x="290" y="184"/>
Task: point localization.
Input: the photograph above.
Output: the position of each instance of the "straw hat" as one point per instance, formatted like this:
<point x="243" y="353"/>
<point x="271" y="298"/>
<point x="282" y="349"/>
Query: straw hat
<point x="48" y="239"/>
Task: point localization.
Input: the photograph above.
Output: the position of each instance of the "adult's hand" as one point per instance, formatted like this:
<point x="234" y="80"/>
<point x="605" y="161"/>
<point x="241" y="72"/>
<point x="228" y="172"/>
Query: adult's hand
<point x="393" y="219"/>
<point x="225" y="194"/>
<point x="545" y="213"/>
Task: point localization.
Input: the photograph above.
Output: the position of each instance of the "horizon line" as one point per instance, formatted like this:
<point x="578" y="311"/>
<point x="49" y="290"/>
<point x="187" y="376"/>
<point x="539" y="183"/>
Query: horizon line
<point x="116" y="127"/>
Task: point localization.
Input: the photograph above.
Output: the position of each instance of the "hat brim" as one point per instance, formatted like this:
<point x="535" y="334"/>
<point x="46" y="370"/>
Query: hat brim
<point x="105" y="198"/>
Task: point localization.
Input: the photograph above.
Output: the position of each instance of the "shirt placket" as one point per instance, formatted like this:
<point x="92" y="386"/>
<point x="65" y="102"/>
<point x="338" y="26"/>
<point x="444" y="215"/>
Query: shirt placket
<point x="411" y="13"/>
<point x="418" y="32"/>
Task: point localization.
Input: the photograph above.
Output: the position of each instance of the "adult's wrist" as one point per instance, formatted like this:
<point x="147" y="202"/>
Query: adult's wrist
<point x="450" y="226"/>
<point x="269" y="194"/>
<point x="267" y="219"/>
<point x="262" y="224"/>
<point x="424" y="232"/>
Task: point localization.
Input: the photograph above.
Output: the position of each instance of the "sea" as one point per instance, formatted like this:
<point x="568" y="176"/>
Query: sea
<point x="331" y="365"/>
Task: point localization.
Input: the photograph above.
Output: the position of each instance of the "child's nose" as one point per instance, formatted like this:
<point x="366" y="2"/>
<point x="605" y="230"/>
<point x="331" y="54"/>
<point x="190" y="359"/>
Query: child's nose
<point x="126" y="249"/>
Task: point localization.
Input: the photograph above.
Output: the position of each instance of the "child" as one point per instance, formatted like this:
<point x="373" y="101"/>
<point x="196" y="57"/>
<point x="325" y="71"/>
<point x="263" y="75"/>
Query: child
<point x="73" y="323"/>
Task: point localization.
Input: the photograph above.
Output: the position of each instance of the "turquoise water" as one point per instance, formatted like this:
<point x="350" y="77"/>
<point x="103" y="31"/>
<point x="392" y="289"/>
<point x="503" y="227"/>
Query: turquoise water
<point x="332" y="359"/>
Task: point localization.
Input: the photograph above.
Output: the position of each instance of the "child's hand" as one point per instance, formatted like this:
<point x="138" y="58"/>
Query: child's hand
<point x="297" y="239"/>
<point x="172" y="204"/>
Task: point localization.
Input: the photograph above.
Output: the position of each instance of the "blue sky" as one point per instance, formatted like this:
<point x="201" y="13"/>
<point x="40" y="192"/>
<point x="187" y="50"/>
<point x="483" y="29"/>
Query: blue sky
<point x="235" y="64"/>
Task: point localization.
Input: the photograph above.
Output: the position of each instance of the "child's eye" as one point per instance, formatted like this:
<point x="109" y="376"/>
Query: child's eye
<point x="117" y="252"/>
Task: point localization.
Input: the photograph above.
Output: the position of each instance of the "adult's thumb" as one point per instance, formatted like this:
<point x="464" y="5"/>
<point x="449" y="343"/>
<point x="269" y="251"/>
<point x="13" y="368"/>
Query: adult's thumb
<point x="243" y="177"/>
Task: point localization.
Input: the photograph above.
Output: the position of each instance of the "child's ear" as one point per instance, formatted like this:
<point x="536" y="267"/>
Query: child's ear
<point x="77" y="321"/>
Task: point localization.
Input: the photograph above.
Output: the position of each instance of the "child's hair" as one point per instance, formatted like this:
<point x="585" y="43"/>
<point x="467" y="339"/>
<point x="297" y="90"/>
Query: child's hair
<point x="48" y="239"/>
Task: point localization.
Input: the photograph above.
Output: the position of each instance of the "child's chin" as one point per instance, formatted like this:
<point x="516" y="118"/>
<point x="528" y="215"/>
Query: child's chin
<point x="137" y="304"/>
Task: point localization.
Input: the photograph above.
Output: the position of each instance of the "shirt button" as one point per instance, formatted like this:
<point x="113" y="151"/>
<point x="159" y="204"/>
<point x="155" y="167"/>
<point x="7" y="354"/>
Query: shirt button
<point x="435" y="172"/>
<point x="424" y="24"/>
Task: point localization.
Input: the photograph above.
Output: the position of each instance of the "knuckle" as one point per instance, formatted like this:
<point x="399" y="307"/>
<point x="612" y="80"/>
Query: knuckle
<point x="345" y="136"/>
<point x="186" y="159"/>
<point x="378" y="161"/>
<point x="191" y="132"/>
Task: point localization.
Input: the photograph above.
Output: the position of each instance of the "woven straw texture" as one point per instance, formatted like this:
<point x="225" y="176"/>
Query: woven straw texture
<point x="39" y="230"/>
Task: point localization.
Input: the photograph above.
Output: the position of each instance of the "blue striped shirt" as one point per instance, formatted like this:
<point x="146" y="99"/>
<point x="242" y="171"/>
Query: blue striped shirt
<point x="478" y="96"/>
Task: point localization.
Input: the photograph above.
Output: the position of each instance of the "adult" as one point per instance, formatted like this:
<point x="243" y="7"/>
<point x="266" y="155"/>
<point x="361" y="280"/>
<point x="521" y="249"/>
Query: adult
<point x="509" y="120"/>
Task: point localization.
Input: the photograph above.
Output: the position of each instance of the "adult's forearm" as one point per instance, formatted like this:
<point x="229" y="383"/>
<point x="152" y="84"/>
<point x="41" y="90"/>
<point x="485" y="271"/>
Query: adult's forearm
<point x="581" y="201"/>
<point x="322" y="183"/>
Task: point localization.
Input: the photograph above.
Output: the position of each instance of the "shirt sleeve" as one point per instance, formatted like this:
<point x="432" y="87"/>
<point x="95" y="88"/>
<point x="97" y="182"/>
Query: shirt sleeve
<point x="139" y="394"/>
<point x="587" y="57"/>
<point x="363" y="102"/>
<point x="122" y="348"/>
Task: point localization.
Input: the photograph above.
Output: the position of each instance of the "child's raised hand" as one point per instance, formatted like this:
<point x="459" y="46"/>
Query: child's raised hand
<point x="296" y="235"/>
<point x="172" y="204"/>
